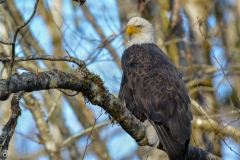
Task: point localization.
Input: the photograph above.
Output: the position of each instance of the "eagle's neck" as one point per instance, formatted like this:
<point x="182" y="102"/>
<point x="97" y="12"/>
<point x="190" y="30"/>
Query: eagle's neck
<point x="140" y="38"/>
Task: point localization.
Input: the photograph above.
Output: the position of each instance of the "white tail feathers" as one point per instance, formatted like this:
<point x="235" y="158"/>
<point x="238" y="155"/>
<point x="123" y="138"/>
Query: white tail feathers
<point x="151" y="134"/>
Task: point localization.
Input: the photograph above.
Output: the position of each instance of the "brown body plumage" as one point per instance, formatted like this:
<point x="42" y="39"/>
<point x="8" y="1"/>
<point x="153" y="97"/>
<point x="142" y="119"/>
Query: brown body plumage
<point x="153" y="89"/>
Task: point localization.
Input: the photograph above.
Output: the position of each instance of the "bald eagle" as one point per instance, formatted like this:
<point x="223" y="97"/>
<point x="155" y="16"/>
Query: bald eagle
<point x="153" y="90"/>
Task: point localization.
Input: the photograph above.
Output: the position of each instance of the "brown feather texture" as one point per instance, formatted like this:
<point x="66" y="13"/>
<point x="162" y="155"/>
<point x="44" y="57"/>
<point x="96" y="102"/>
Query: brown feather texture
<point x="152" y="88"/>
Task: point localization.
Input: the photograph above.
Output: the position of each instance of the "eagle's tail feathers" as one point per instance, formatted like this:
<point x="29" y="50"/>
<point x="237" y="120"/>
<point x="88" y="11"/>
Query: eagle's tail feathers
<point x="174" y="149"/>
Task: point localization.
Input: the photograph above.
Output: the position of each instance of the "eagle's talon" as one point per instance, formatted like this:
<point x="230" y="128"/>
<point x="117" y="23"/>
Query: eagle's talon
<point x="142" y="142"/>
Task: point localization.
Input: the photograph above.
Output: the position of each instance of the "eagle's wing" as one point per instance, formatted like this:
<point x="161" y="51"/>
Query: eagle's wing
<point x="160" y="94"/>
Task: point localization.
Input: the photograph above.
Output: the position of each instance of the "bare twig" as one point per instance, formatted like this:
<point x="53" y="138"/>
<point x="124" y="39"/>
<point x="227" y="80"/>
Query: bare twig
<point x="45" y="57"/>
<point x="6" y="43"/>
<point x="201" y="88"/>
<point x="84" y="132"/>
<point x="16" y="33"/>
<point x="230" y="147"/>
<point x="223" y="114"/>
<point x="214" y="56"/>
<point x="92" y="20"/>
<point x="204" y="124"/>
<point x="87" y="145"/>
<point x="101" y="45"/>
<point x="199" y="107"/>
<point x="99" y="147"/>
<point x="53" y="107"/>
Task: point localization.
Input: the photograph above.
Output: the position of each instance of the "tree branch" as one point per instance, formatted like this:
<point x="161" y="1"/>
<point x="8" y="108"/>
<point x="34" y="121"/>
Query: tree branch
<point x="2" y="1"/>
<point x="16" y="33"/>
<point x="84" y="132"/>
<point x="93" y="89"/>
<point x="9" y="128"/>
<point x="45" y="135"/>
<point x="218" y="128"/>
<point x="93" y="21"/>
<point x="44" y="57"/>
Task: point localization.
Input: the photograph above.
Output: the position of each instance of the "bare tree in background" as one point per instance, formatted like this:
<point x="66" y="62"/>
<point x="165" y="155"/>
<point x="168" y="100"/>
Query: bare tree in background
<point x="196" y="35"/>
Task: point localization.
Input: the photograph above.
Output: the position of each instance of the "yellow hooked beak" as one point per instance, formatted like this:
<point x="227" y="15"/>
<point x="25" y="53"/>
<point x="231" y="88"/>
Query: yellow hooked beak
<point x="132" y="29"/>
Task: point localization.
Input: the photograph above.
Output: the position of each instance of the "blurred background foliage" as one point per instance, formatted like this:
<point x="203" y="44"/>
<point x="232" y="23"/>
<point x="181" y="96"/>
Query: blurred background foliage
<point x="200" y="36"/>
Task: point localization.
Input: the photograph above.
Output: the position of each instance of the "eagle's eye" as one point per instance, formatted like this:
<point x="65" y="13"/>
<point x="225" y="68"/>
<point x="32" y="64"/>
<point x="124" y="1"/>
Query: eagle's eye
<point x="139" y="26"/>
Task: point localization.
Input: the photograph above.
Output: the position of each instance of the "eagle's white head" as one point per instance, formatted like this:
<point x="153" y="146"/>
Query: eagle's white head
<point x="140" y="31"/>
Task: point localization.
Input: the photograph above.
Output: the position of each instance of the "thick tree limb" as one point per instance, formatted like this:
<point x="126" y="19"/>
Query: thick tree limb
<point x="93" y="89"/>
<point x="99" y="148"/>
